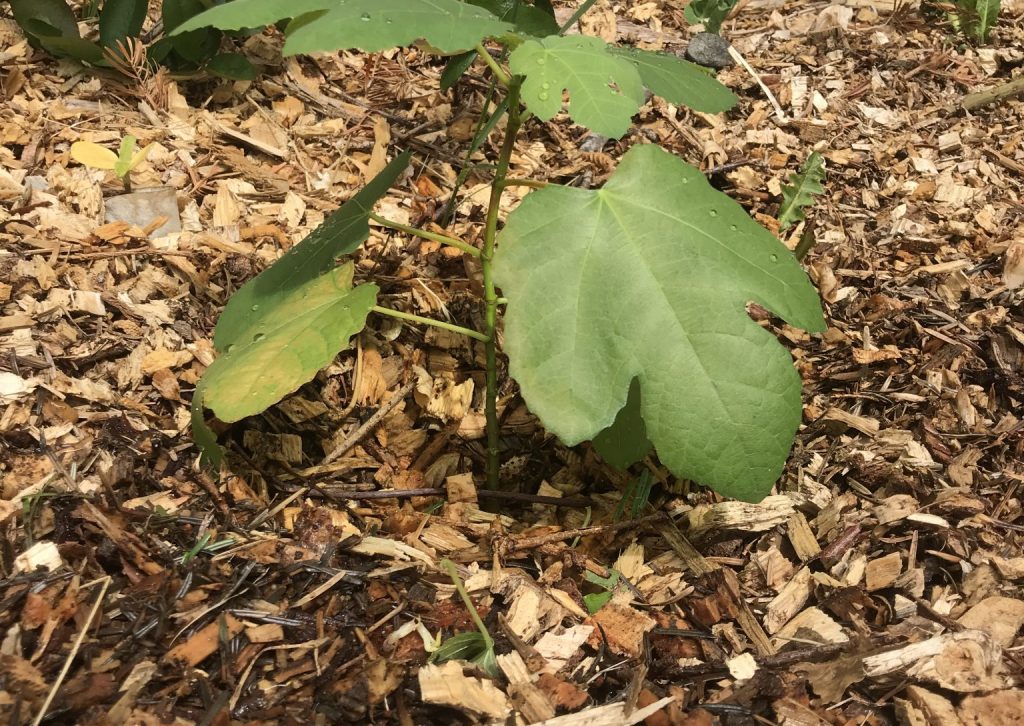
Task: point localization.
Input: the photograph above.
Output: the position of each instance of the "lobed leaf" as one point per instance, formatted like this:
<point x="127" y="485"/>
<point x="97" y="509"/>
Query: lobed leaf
<point x="283" y="349"/>
<point x="801" y="190"/>
<point x="605" y="89"/>
<point x="648" y="279"/>
<point x="450" y="26"/>
<point x="679" y="81"/>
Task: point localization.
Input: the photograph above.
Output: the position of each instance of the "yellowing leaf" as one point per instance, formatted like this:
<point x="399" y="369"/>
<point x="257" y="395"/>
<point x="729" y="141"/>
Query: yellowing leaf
<point x="94" y="155"/>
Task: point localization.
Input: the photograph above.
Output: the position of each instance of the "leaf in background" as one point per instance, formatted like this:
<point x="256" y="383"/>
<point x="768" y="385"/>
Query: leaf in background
<point x="279" y="351"/>
<point x="597" y="600"/>
<point x="233" y="66"/>
<point x="341" y="233"/>
<point x="709" y="13"/>
<point x="678" y="81"/>
<point x="195" y="47"/>
<point x="43" y="18"/>
<point x="605" y="89"/>
<point x="89" y="154"/>
<point x="649" y="278"/>
<point x="625" y="441"/>
<point x="801" y="190"/>
<point x="978" y="17"/>
<point x="527" y="19"/>
<point x="450" y="26"/>
<point x="120" y="19"/>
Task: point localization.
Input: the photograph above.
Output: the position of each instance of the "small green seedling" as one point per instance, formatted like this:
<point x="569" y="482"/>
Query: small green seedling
<point x="624" y="307"/>
<point x="475" y="647"/>
<point x="597" y="600"/>
<point x="799" y="194"/>
<point x="709" y="13"/>
<point x="975" y="17"/>
<point x="122" y="163"/>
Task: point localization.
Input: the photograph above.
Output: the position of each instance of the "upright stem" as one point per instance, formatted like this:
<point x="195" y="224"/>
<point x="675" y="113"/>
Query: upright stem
<point x="490" y="292"/>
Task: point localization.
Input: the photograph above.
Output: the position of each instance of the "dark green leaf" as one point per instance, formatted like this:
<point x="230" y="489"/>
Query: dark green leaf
<point x="45" y="18"/>
<point x="679" y="81"/>
<point x="341" y="233"/>
<point x="455" y="67"/>
<point x="78" y="48"/>
<point x="625" y="441"/>
<point x="197" y="46"/>
<point x="233" y="66"/>
<point x="120" y="19"/>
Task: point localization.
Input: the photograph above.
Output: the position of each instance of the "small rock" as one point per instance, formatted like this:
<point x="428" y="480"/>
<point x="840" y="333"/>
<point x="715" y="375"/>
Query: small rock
<point x="143" y="206"/>
<point x="593" y="142"/>
<point x="709" y="50"/>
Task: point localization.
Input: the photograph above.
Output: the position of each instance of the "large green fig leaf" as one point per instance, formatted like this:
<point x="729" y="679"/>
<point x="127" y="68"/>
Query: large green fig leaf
<point x="648" y="278"/>
<point x="283" y="349"/>
<point x="371" y="25"/>
<point x="678" y="81"/>
<point x="605" y="89"/>
<point x="341" y="233"/>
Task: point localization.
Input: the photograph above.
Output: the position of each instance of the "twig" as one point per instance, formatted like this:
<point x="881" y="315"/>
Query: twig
<point x="991" y="95"/>
<point x="735" y="54"/>
<point x="514" y="544"/>
<point x="440" y="492"/>
<point x="371" y="422"/>
<point x="74" y="651"/>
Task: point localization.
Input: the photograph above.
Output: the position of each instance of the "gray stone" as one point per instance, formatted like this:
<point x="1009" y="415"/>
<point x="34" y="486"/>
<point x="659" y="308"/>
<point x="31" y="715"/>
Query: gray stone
<point x="709" y="50"/>
<point x="143" y="206"/>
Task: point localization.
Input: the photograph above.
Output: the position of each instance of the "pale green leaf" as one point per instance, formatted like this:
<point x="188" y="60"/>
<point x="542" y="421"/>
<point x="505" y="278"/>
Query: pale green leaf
<point x="709" y="13"/>
<point x="605" y="89"/>
<point x="679" y="81"/>
<point x="371" y="25"/>
<point x="801" y="190"/>
<point x="648" y="278"/>
<point x="341" y="233"/>
<point x="283" y="349"/>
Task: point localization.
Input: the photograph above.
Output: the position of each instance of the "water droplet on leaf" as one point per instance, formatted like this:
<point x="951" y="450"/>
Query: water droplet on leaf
<point x="258" y="337"/>
<point x="545" y="85"/>
<point x="229" y="348"/>
<point x="543" y="96"/>
<point x="364" y="17"/>
<point x="733" y="227"/>
<point x="254" y="308"/>
<point x="713" y="212"/>
<point x="774" y="258"/>
<point x="541" y="61"/>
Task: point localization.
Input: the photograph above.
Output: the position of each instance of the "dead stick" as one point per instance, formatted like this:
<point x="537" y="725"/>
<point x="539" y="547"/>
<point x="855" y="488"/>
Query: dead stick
<point x="982" y="98"/>
<point x="371" y="422"/>
<point x="439" y="491"/>
<point x="74" y="651"/>
<point x="525" y="543"/>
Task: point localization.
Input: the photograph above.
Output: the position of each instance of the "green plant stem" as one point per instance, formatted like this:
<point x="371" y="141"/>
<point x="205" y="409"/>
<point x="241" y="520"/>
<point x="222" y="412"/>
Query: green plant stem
<point x="433" y="236"/>
<point x="430" y="321"/>
<point x="499" y="73"/>
<point x="490" y="292"/>
<point x="580" y="12"/>
<point x="449" y="567"/>
<point x="532" y="183"/>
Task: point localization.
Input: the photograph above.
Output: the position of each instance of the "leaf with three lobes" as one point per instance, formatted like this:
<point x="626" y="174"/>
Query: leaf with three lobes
<point x="648" y="278"/>
<point x="341" y="233"/>
<point x="678" y="81"/>
<point x="370" y="25"/>
<point x="605" y="89"/>
<point x="801" y="190"/>
<point x="302" y="333"/>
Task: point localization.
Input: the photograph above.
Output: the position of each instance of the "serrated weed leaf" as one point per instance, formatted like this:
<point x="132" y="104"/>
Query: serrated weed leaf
<point x="605" y="89"/>
<point x="341" y="233"/>
<point x="648" y="278"/>
<point x="370" y="25"/>
<point x="678" y="81"/>
<point x="304" y="331"/>
<point x="801" y="190"/>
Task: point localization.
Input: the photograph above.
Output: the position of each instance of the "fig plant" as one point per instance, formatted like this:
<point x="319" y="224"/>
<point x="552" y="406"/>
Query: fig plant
<point x="624" y="307"/>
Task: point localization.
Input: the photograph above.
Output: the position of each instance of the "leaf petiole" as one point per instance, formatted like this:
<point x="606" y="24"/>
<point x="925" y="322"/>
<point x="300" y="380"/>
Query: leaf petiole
<point x="433" y="236"/>
<point x="430" y="321"/>
<point x="499" y="73"/>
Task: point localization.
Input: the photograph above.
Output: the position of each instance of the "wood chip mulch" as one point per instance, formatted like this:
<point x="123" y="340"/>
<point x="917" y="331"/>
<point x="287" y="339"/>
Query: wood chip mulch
<point x="881" y="583"/>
